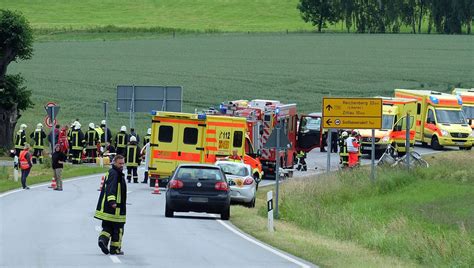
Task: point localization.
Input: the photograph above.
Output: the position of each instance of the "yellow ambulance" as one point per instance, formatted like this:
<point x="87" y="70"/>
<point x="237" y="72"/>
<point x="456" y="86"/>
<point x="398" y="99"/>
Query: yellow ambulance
<point x="439" y="119"/>
<point x="393" y="131"/>
<point x="467" y="96"/>
<point x="197" y="138"/>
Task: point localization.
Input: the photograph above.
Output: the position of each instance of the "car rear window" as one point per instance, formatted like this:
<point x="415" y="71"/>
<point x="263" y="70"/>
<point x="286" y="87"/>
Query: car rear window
<point x="233" y="169"/>
<point x="198" y="173"/>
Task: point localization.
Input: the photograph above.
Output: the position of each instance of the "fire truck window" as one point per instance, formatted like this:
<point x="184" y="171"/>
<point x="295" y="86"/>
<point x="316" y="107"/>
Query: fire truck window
<point x="165" y="134"/>
<point x="238" y="137"/>
<point x="190" y="136"/>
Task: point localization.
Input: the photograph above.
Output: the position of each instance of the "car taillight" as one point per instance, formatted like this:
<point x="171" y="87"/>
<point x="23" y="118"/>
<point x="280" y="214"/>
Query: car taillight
<point x="222" y="186"/>
<point x="248" y="181"/>
<point x="176" y="184"/>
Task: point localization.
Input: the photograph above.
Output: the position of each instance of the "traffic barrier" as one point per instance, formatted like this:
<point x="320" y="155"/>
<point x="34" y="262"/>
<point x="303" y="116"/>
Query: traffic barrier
<point x="53" y="183"/>
<point x="101" y="183"/>
<point x="157" y="188"/>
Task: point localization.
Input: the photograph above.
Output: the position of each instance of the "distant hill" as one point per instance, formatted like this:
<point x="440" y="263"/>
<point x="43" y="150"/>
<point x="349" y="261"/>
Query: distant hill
<point x="193" y="15"/>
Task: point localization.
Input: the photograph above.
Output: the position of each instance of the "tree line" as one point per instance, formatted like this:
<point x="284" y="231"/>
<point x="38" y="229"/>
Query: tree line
<point x="388" y="16"/>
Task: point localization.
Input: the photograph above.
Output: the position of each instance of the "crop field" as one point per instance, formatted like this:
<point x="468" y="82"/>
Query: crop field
<point x="299" y="68"/>
<point x="202" y="15"/>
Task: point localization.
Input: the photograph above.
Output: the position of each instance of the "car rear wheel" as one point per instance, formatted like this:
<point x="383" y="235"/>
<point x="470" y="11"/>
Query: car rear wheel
<point x="435" y="143"/>
<point x="252" y="203"/>
<point x="169" y="213"/>
<point x="225" y="215"/>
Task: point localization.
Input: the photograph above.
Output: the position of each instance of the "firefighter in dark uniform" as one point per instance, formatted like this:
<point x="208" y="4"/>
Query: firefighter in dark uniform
<point x="147" y="137"/>
<point x="92" y="137"/>
<point x="38" y="137"/>
<point x="301" y="156"/>
<point x="132" y="159"/>
<point x="77" y="143"/>
<point x="106" y="130"/>
<point x="343" y="154"/>
<point x="20" y="139"/>
<point x="111" y="208"/>
<point x="121" y="141"/>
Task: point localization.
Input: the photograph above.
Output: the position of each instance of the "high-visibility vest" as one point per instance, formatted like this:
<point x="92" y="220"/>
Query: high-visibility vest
<point x="351" y="148"/>
<point x="91" y="138"/>
<point x="75" y="140"/>
<point x="132" y="160"/>
<point x="23" y="160"/>
<point x="121" y="140"/>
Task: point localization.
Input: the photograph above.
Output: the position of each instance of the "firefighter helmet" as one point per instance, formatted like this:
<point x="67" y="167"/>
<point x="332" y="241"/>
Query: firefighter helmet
<point x="148" y="131"/>
<point x="344" y="134"/>
<point x="91" y="125"/>
<point x="23" y="126"/>
<point x="39" y="125"/>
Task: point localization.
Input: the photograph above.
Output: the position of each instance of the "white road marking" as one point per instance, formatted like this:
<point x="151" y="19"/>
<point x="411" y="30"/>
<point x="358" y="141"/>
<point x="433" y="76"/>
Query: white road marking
<point x="115" y="259"/>
<point x="258" y="243"/>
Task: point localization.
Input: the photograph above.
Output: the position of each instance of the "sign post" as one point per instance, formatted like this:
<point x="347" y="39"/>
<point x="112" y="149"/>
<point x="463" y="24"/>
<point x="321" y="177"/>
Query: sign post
<point x="278" y="142"/>
<point x="353" y="113"/>
<point x="52" y="110"/>
<point x="270" y="211"/>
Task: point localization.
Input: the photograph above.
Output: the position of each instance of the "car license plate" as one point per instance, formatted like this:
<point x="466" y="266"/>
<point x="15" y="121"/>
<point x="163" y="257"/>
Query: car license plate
<point x="198" y="199"/>
<point x="459" y="143"/>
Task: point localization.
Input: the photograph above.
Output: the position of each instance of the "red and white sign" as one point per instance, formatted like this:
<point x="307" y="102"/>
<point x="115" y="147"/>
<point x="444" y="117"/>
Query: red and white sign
<point x="48" y="123"/>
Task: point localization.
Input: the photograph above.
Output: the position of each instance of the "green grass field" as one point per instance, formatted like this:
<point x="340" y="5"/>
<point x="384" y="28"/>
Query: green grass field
<point x="198" y="15"/>
<point x="342" y="220"/>
<point x="300" y="68"/>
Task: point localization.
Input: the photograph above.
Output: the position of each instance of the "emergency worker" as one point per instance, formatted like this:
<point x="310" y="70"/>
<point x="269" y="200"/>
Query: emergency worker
<point x="92" y="138"/>
<point x="147" y="137"/>
<point x="353" y="149"/>
<point x="334" y="138"/>
<point x="146" y="152"/>
<point x="343" y="154"/>
<point x="25" y="165"/>
<point x="20" y="139"/>
<point x="301" y="156"/>
<point x="112" y="209"/>
<point x="121" y="141"/>
<point x="77" y="143"/>
<point x="38" y="137"/>
<point x="133" y="133"/>
<point x="106" y="130"/>
<point x="132" y="159"/>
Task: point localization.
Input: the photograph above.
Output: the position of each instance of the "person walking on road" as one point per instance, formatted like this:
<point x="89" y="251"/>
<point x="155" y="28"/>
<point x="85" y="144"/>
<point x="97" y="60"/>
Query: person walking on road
<point x="132" y="159"/>
<point x="111" y="208"/>
<point x="58" y="159"/>
<point x="25" y="165"/>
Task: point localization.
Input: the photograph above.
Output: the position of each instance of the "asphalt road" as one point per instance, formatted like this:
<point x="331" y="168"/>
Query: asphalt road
<point x="45" y="228"/>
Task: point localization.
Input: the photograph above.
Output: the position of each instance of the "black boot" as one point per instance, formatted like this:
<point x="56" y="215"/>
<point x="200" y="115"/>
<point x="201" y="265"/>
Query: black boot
<point x="145" y="180"/>
<point x="115" y="251"/>
<point x="103" y="244"/>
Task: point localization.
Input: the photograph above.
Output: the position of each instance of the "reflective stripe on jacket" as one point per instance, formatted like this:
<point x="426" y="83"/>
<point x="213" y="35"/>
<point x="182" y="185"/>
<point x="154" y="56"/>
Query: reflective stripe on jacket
<point x="114" y="191"/>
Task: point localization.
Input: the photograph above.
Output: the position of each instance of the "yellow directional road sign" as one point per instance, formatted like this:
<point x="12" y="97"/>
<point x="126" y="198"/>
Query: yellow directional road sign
<point x="350" y="113"/>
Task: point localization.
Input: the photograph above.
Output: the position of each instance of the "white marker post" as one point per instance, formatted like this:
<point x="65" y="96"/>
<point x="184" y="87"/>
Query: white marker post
<point x="270" y="211"/>
<point x="15" y="168"/>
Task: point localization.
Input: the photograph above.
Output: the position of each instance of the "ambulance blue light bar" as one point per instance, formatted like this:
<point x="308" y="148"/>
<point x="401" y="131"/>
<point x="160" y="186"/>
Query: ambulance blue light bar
<point x="202" y="116"/>
<point x="434" y="100"/>
<point x="459" y="99"/>
<point x="153" y="112"/>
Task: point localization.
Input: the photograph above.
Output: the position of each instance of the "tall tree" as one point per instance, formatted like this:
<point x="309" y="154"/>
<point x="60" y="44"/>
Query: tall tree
<point x="319" y="12"/>
<point x="16" y="43"/>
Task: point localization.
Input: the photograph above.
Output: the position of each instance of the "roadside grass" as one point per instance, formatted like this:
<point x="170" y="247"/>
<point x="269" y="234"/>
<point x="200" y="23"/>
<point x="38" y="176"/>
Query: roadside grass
<point x="294" y="68"/>
<point x="43" y="173"/>
<point x="424" y="217"/>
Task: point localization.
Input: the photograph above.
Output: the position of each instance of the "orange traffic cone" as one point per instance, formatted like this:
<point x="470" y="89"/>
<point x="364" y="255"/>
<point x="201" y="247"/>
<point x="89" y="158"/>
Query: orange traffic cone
<point x="53" y="183"/>
<point x="157" y="188"/>
<point x="101" y="184"/>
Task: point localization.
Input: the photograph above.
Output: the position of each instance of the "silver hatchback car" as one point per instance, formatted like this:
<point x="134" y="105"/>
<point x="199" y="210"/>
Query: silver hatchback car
<point x="243" y="187"/>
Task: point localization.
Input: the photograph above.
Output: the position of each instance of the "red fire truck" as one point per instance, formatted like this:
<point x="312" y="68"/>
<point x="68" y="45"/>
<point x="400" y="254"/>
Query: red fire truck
<point x="262" y="117"/>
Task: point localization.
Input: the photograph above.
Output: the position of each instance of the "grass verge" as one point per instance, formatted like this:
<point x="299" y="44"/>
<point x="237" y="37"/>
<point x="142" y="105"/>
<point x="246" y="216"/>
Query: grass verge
<point x="43" y="173"/>
<point x="418" y="218"/>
